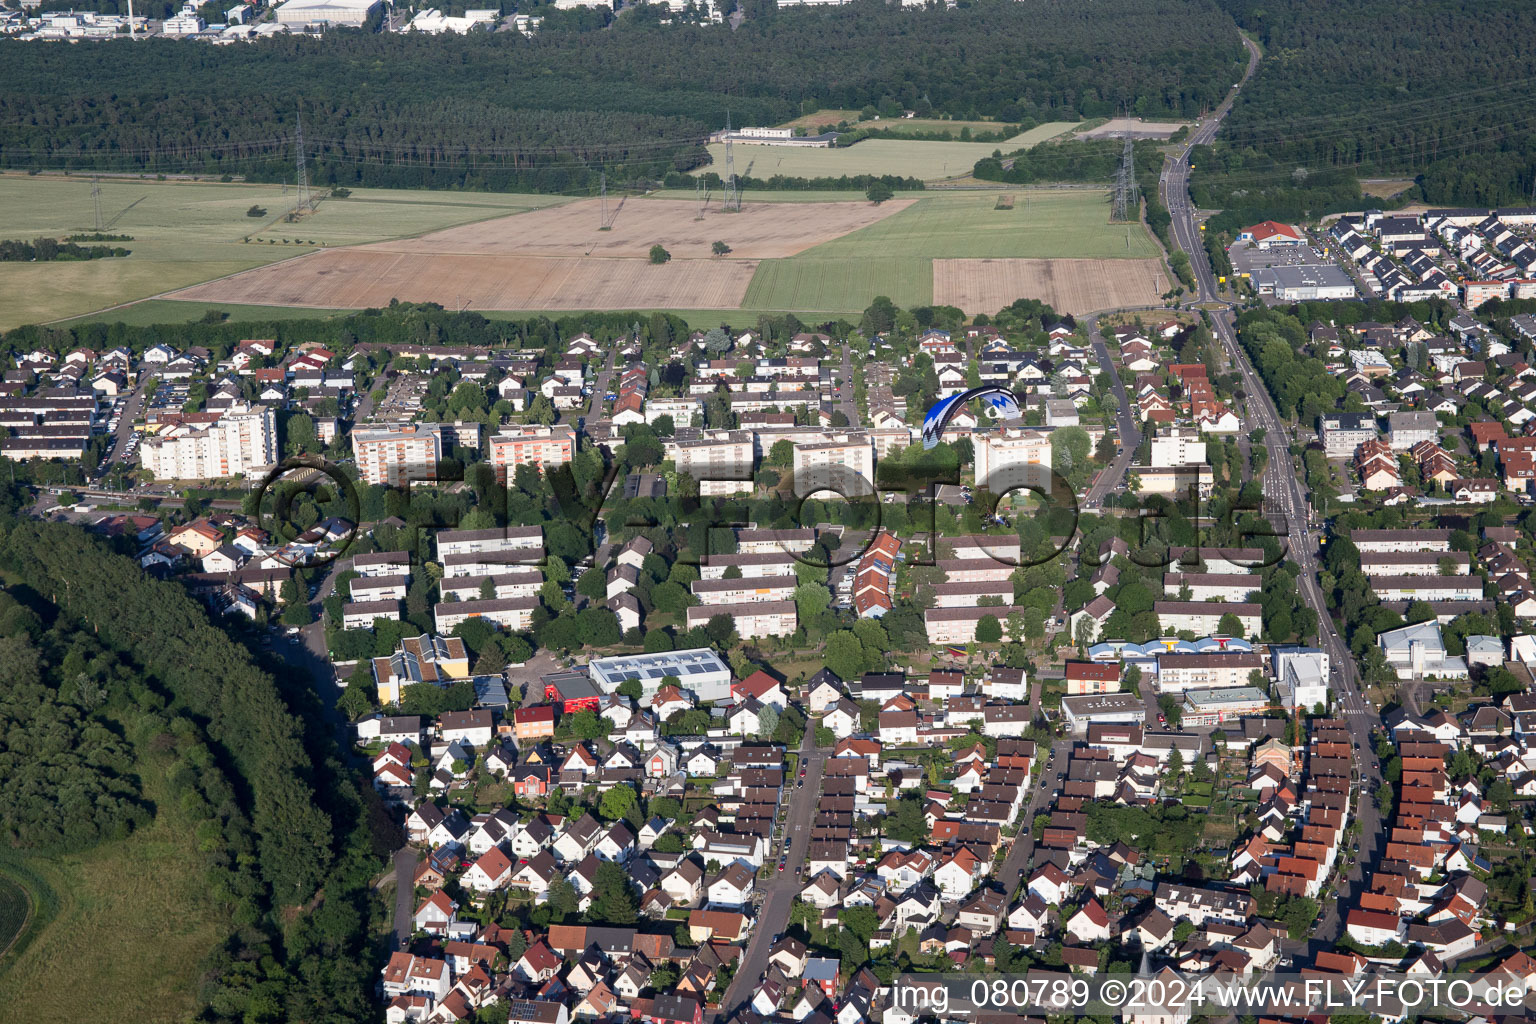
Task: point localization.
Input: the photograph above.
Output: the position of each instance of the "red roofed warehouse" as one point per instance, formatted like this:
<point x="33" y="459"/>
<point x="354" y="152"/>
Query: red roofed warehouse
<point x="1270" y="233"/>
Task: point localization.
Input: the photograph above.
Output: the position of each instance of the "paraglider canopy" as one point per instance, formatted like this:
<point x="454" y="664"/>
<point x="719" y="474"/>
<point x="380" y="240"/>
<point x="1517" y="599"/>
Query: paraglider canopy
<point x="1001" y="403"/>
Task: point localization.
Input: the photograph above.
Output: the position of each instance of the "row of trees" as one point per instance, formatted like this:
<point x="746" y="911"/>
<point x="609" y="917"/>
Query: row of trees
<point x="46" y="250"/>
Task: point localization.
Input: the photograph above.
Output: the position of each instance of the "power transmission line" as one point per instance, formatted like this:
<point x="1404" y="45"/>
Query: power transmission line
<point x="303" y="172"/>
<point x="1125" y="183"/>
<point x="96" y="200"/>
<point x="732" y="201"/>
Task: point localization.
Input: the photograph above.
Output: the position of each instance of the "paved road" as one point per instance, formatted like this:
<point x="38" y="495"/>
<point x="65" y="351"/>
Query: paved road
<point x="1286" y="505"/>
<point x="1042" y="792"/>
<point x="131" y="411"/>
<point x="845" y="395"/>
<point x="405" y="892"/>
<point x="780" y="891"/>
<point x="600" y="385"/>
<point x="1125" y="420"/>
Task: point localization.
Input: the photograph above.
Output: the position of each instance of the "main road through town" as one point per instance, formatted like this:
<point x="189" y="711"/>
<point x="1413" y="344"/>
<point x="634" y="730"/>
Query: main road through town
<point x="1287" y="508"/>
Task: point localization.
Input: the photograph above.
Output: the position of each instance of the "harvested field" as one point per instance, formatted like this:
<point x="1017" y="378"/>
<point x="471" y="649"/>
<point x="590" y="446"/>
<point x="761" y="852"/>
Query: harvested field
<point x="1135" y="127"/>
<point x="758" y="231"/>
<point x="906" y="158"/>
<point x="1067" y="285"/>
<point x="370" y="277"/>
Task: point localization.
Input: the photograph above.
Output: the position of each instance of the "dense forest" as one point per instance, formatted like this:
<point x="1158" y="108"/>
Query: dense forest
<point x="635" y="100"/>
<point x="1433" y="90"/>
<point x="109" y="675"/>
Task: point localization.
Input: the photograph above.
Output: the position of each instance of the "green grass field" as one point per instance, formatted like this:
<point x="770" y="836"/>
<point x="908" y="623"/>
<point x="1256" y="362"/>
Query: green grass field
<point x="132" y="923"/>
<point x="925" y="160"/>
<point x="1043" y="224"/>
<point x="840" y="285"/>
<point x="14" y="907"/>
<point x="186" y="232"/>
<point x="895" y="256"/>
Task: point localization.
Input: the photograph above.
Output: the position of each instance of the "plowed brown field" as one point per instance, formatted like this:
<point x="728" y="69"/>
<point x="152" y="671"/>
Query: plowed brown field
<point x="557" y="258"/>
<point x="758" y="231"/>
<point x="1066" y="285"/>
<point x="360" y="278"/>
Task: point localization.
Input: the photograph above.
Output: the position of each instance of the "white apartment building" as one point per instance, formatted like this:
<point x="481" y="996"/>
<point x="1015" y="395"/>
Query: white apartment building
<point x="844" y="465"/>
<point x="685" y="412"/>
<point x="958" y="625"/>
<point x="721" y="461"/>
<point x="1203" y="617"/>
<point x="360" y="614"/>
<point x="1428" y="588"/>
<point x="747" y="590"/>
<point x="774" y="542"/>
<point x="753" y="621"/>
<point x="532" y="445"/>
<point x="393" y="454"/>
<point x="1400" y="540"/>
<point x="775" y="563"/>
<point x="507" y="612"/>
<point x="1179" y="672"/>
<point x="239" y="443"/>
<point x="496" y="539"/>
<point x="1178" y="446"/>
<point x="513" y="583"/>
<point x="1001" y="453"/>
<point x="1212" y="586"/>
<point x="975" y="546"/>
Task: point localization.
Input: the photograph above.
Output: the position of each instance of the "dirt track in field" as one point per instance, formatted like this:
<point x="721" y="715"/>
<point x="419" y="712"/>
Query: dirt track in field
<point x="758" y="231"/>
<point x="362" y="278"/>
<point x="1073" y="286"/>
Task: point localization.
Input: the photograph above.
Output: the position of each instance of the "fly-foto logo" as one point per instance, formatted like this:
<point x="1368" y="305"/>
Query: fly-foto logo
<point x="789" y="516"/>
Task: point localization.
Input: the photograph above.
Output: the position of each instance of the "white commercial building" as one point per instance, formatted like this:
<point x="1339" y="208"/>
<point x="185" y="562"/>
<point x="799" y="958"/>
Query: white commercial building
<point x="1102" y="709"/>
<point x="326" y="13"/>
<point x="1418" y="651"/>
<point x="698" y="671"/>
<point x="1303" y="684"/>
<point x="239" y="443"/>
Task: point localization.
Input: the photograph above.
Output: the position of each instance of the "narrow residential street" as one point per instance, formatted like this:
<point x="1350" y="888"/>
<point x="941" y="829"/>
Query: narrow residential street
<point x="1111" y="480"/>
<point x="846" y="397"/>
<point x="1052" y="771"/>
<point x="780" y="890"/>
<point x="405" y="875"/>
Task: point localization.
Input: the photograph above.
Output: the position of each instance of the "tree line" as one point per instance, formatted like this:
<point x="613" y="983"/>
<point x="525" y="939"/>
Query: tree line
<point x="48" y="249"/>
<point x="134" y="677"/>
<point x="500" y="111"/>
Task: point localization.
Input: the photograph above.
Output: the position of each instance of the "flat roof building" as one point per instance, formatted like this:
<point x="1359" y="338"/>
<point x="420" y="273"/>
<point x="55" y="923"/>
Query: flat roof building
<point x="1304" y="283"/>
<point x="327" y="13"/>
<point x="698" y="671"/>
